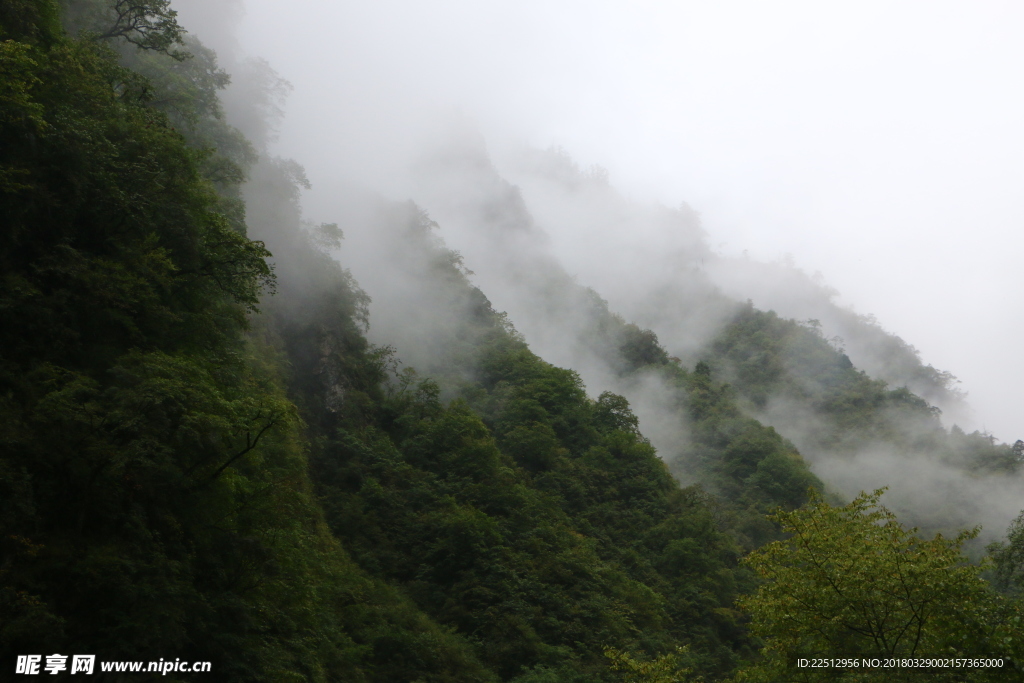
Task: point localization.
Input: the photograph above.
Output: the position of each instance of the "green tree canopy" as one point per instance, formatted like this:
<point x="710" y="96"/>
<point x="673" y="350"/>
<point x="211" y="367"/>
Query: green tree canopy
<point x="851" y="581"/>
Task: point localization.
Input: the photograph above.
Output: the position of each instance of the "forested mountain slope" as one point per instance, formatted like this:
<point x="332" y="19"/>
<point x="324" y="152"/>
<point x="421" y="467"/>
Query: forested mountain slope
<point x="215" y="446"/>
<point x="858" y="430"/>
<point x="168" y="449"/>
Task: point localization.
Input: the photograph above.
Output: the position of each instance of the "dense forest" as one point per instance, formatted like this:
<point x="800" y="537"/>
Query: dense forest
<point x="217" y="446"/>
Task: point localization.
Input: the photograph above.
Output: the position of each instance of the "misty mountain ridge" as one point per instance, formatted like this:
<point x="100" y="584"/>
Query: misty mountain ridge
<point x="512" y="426"/>
<point x="652" y="266"/>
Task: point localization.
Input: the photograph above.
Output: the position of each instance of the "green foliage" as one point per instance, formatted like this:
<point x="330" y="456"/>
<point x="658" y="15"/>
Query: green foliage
<point x="851" y="581"/>
<point x="749" y="467"/>
<point x="528" y="565"/>
<point x="980" y="454"/>
<point x="17" y="81"/>
<point x="640" y="348"/>
<point x="1008" y="559"/>
<point x="665" y="669"/>
<point x="30" y="21"/>
<point x="112" y="238"/>
<point x="768" y="356"/>
<point x="154" y="492"/>
<point x="789" y="370"/>
<point x="187" y="92"/>
<point x="533" y="520"/>
<point x="145" y="24"/>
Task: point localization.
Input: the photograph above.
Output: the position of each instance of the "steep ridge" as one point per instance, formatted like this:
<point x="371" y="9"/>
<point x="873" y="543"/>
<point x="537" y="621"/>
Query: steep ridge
<point x="432" y="328"/>
<point x="523" y="513"/>
<point x="139" y="514"/>
<point x="858" y="431"/>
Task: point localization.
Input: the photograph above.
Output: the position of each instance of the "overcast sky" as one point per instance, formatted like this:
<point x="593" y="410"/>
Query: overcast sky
<point x="880" y="143"/>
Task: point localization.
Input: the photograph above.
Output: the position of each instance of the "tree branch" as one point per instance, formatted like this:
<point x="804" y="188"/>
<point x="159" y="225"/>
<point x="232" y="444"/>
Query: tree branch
<point x="250" y="444"/>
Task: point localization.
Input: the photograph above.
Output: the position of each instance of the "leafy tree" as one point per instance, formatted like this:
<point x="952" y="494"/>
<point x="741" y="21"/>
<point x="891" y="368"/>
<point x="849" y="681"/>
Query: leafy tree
<point x="851" y="581"/>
